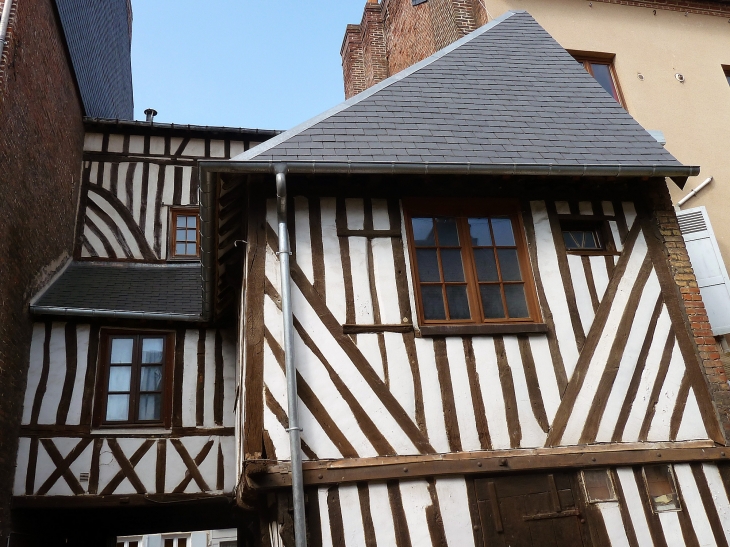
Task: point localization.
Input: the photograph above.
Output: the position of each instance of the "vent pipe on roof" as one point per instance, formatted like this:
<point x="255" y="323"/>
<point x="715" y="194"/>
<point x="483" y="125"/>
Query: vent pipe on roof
<point x="4" y="20"/>
<point x="150" y="113"/>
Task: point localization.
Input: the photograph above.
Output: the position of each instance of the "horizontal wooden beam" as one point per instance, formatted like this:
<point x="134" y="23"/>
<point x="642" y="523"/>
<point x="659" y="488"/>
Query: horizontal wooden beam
<point x="262" y="475"/>
<point x="369" y="233"/>
<point x="365" y="329"/>
<point x="135" y="500"/>
<point x="483" y="328"/>
<point x="83" y="431"/>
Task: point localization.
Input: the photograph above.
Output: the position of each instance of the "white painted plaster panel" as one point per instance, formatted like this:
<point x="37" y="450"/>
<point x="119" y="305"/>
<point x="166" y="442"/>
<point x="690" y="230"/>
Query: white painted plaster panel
<point x="187" y="173"/>
<point x="146" y="469"/>
<point x="532" y="434"/>
<point x="34" y="369"/>
<point x="169" y="189"/>
<point x="106" y="232"/>
<point x="351" y="516"/>
<point x="118" y="221"/>
<point x="94" y="172"/>
<point x="333" y="273"/>
<point x="359" y="264"/>
<point x="303" y="237"/>
<point x="607" y="207"/>
<point x="694" y="506"/>
<point x="149" y="223"/>
<point x="56" y="375"/>
<point x="489" y="382"/>
<point x="157" y="146"/>
<point x="351" y="376"/>
<point x="136" y="144"/>
<point x="382" y="514"/>
<point x="462" y="394"/>
<point x="381" y="218"/>
<point x="545" y="375"/>
<point x="82" y="464"/>
<point x="562" y="207"/>
<point x="229" y="378"/>
<point x="196" y="147"/>
<point x="93" y="142"/>
<point x="432" y="405"/>
<point x="600" y="275"/>
<point x="315" y="374"/>
<point x="719" y="495"/>
<point x="598" y="361"/>
<point x="547" y="259"/>
<point x="415" y="501"/>
<point x="175" y="143"/>
<point x="385" y="281"/>
<point x="585" y="207"/>
<point x="82" y="355"/>
<point x="237" y="147"/>
<point x="116" y="143"/>
<point x="355" y="209"/>
<point x="208" y="467"/>
<point x="669" y="521"/>
<point x="368" y="345"/>
<point x="324" y="517"/>
<point x="611" y="513"/>
<point x="400" y="373"/>
<point x="660" y="424"/>
<point x="209" y="386"/>
<point x="122" y="182"/>
<point x="582" y="294"/>
<point x="651" y="368"/>
<point x="454" y="506"/>
<point x="629" y="359"/>
<point x="21" y="466"/>
<point x="190" y="378"/>
<point x="633" y="500"/>
<point x="629" y="213"/>
<point x="692" y="425"/>
<point x="228" y="444"/>
<point x="616" y="236"/>
<point x="217" y="149"/>
<point x="278" y="436"/>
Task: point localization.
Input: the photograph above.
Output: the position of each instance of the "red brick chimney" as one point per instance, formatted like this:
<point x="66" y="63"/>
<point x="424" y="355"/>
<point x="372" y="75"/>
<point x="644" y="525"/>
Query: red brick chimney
<point x="394" y="34"/>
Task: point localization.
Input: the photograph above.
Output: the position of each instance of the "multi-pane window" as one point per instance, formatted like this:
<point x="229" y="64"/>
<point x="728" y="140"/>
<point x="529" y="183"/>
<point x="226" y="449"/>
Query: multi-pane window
<point x="602" y="70"/>
<point x="582" y="236"/>
<point x="184" y="234"/>
<point x="470" y="267"/>
<point x="133" y="379"/>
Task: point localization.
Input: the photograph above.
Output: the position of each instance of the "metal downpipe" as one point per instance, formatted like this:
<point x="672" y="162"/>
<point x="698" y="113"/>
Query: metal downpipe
<point x="4" y="19"/>
<point x="297" y="480"/>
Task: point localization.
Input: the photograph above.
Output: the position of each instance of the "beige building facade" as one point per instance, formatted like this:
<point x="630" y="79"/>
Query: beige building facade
<point x="670" y="61"/>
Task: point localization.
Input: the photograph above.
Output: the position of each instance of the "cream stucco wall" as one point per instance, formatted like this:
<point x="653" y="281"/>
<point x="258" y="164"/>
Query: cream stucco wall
<point x="694" y="116"/>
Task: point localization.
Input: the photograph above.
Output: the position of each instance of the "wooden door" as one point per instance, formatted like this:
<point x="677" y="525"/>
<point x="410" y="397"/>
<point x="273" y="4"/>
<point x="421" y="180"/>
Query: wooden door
<point x="531" y="511"/>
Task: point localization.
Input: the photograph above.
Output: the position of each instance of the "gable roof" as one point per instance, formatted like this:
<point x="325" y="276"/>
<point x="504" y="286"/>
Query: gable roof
<point x="506" y="94"/>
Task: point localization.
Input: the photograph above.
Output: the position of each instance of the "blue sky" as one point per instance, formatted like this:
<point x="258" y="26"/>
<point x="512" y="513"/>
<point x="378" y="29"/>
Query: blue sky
<point x="242" y="63"/>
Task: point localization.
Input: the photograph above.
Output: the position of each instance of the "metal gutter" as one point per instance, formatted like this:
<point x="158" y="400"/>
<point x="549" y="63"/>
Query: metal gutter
<point x="206" y="169"/>
<point x="297" y="480"/>
<point x="112" y="314"/>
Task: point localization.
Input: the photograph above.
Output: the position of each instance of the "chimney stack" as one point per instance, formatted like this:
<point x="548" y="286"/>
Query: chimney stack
<point x="150" y="113"/>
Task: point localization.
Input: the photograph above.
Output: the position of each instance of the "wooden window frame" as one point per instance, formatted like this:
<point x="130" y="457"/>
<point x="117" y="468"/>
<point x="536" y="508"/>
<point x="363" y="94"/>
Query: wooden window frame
<point x="174" y="213"/>
<point x="102" y="379"/>
<point x="464" y="208"/>
<point x="586" y="492"/>
<point x="592" y="57"/>
<point x="603" y="230"/>
<point x="674" y="485"/>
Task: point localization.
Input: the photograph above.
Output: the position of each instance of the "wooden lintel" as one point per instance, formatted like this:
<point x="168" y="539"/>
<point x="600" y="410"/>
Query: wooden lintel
<point x="365" y="329"/>
<point x="368" y="233"/>
<point x="135" y="500"/>
<point x="482" y="329"/>
<point x="52" y="431"/>
<point x="263" y="476"/>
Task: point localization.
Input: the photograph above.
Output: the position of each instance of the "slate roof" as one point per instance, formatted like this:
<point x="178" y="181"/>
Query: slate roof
<point x="124" y="290"/>
<point x="507" y="93"/>
<point x="99" y="39"/>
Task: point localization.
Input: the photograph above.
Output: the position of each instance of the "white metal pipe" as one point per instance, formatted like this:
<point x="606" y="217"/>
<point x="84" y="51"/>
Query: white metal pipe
<point x="694" y="192"/>
<point x="4" y="20"/>
<point x="297" y="480"/>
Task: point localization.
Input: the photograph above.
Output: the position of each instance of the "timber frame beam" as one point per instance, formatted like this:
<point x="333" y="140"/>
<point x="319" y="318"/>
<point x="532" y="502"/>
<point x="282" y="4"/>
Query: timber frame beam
<point x="266" y="475"/>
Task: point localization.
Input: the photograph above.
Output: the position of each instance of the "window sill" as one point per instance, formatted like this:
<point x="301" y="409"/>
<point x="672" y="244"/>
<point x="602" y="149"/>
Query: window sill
<point x="485" y="329"/>
<point x="136" y="430"/>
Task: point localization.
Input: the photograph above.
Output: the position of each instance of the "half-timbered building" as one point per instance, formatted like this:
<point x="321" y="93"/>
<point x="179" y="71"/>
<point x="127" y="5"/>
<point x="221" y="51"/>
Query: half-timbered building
<point x="474" y="276"/>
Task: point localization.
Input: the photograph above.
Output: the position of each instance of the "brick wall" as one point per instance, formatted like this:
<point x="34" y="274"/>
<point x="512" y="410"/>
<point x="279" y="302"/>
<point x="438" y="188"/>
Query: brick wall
<point x="665" y="220"/>
<point x="394" y="35"/>
<point x="40" y="160"/>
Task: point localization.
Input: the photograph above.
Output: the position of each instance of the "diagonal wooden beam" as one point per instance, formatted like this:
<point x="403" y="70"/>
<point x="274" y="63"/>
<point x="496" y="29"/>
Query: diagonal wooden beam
<point x="127" y="467"/>
<point x="63" y="466"/>
<point x="193" y="473"/>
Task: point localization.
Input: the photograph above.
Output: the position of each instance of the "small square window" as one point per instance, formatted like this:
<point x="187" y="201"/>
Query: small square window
<point x="598" y="485"/>
<point x="184" y="234"/>
<point x="661" y="487"/>
<point x="582" y="236"/>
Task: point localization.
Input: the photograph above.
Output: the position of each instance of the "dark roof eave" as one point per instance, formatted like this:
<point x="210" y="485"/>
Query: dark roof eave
<point x="427" y="168"/>
<point x="112" y="314"/>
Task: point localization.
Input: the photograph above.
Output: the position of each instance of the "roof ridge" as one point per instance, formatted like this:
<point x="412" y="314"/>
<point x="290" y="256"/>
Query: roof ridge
<point x="296" y="130"/>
